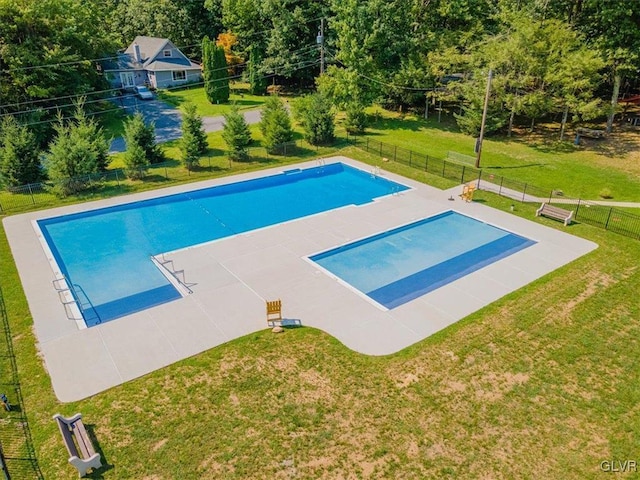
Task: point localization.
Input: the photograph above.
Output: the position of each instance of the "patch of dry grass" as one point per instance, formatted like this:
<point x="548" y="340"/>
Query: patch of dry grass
<point x="541" y="384"/>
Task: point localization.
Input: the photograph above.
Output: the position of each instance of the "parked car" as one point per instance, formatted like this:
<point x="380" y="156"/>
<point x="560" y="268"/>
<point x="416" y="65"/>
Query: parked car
<point x="143" y="93"/>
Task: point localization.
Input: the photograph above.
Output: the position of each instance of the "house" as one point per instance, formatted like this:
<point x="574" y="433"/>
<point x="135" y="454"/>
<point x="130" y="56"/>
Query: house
<point x="151" y="61"/>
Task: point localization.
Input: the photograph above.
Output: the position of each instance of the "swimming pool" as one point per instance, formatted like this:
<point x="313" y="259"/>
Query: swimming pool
<point x="397" y="266"/>
<point x="106" y="254"/>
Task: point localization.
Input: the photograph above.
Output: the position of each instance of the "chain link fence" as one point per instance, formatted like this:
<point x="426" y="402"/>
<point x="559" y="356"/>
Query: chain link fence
<point x="607" y="217"/>
<point x="118" y="181"/>
<point x="17" y="454"/>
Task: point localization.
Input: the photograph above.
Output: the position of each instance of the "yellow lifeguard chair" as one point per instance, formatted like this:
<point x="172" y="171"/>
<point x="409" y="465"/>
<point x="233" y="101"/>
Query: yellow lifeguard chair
<point x="467" y="191"/>
<point x="274" y="312"/>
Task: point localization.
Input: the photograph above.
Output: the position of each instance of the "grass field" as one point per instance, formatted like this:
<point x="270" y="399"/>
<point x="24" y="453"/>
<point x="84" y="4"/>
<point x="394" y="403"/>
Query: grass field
<point x="197" y="96"/>
<point x="579" y="171"/>
<point x="543" y="383"/>
<point x="545" y="376"/>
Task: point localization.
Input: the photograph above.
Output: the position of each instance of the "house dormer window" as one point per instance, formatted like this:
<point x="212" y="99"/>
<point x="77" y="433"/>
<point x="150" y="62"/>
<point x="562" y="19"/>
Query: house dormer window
<point x="166" y="53"/>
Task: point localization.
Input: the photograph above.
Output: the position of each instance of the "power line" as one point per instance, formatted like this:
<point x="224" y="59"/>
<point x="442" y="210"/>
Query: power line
<point x="380" y="82"/>
<point x="50" y="65"/>
<point x="298" y="66"/>
<point x="299" y="51"/>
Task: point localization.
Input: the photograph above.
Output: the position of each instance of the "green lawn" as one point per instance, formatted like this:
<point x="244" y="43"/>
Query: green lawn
<point x="196" y="95"/>
<point x="543" y="383"/>
<point x="545" y="376"/>
<point x="578" y="171"/>
<point x="112" y="120"/>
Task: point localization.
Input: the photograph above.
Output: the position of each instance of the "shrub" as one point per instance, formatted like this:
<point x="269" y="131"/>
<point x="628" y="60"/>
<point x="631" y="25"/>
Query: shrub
<point x="19" y="154"/>
<point x="275" y="124"/>
<point x="314" y="113"/>
<point x="137" y="132"/>
<point x="236" y="134"/>
<point x="356" y="120"/>
<point x="194" y="140"/>
<point x="78" y="150"/>
<point x="605" y="193"/>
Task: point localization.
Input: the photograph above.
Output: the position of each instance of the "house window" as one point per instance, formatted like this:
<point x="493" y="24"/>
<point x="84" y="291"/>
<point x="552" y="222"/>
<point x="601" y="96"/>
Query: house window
<point x="166" y="53"/>
<point x="179" y="75"/>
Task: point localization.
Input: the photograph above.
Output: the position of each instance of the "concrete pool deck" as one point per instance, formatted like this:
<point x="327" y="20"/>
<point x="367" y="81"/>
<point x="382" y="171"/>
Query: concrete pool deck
<point x="231" y="278"/>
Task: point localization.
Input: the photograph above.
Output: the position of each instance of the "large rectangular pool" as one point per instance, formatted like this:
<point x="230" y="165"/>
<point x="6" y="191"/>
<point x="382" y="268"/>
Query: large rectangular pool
<point x="105" y="254"/>
<point x="399" y="265"/>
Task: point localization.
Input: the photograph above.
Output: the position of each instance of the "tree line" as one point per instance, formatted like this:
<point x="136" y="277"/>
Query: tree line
<point x="567" y="58"/>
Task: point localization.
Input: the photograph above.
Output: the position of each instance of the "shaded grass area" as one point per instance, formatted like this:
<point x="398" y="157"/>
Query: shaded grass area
<point x="581" y="172"/>
<point x="547" y="375"/>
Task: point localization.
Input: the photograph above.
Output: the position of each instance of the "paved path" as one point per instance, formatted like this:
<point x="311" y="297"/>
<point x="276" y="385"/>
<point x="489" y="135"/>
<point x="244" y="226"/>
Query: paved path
<point x="516" y="195"/>
<point x="168" y="120"/>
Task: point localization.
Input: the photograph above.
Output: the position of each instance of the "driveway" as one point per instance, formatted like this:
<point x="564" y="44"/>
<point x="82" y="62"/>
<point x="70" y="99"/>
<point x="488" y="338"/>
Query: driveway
<point x="167" y="119"/>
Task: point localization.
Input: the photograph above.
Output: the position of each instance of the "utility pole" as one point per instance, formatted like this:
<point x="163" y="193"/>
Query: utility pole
<point x="484" y="118"/>
<point x="320" y="41"/>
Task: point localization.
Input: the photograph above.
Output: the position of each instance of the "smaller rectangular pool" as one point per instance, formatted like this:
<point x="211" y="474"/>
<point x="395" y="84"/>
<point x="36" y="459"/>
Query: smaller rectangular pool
<point x="399" y="265"/>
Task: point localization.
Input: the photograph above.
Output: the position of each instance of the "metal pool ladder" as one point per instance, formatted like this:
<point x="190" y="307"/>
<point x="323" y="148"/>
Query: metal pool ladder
<point x="68" y="298"/>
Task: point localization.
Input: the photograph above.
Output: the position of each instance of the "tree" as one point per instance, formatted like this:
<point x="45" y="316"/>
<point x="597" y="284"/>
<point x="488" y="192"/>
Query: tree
<point x="77" y="151"/>
<point x="59" y="33"/>
<point x="282" y="32"/>
<point x="236" y="134"/>
<point x="314" y="113"/>
<point x="139" y="134"/>
<point x="275" y="124"/>
<point x="184" y="22"/>
<point x="228" y="41"/>
<point x="347" y="91"/>
<point x="19" y="154"/>
<point x="214" y="72"/>
<point x="88" y="128"/>
<point x="356" y="119"/>
<point x="257" y="81"/>
<point x="194" y="139"/>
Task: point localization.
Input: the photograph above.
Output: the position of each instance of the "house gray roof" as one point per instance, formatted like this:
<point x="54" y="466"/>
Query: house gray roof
<point x="150" y="56"/>
<point x="149" y="47"/>
<point x="122" y="61"/>
<point x="172" y="64"/>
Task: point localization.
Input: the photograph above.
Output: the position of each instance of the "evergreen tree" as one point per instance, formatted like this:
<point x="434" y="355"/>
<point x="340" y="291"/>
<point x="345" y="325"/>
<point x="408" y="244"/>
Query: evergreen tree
<point x="257" y="82"/>
<point x="314" y="113"/>
<point x="275" y="124"/>
<point x="236" y="134"/>
<point x="135" y="161"/>
<point x="356" y="120"/>
<point x="137" y="132"/>
<point x="214" y="72"/>
<point x="88" y="128"/>
<point x="78" y="150"/>
<point x="194" y="139"/>
<point x="71" y="159"/>
<point x="19" y="154"/>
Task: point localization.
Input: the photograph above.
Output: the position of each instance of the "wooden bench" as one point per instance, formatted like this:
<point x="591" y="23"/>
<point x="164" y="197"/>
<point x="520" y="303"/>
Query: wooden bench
<point x="82" y="455"/>
<point x="555" y="212"/>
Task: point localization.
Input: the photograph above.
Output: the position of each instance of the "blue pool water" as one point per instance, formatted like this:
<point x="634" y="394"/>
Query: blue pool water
<point x="400" y="265"/>
<point x="105" y="253"/>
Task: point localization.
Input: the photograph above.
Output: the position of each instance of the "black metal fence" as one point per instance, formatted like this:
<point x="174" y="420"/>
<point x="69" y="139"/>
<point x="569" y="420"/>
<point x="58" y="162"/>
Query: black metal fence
<point x="17" y="454"/>
<point x="116" y="181"/>
<point x="607" y="217"/>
